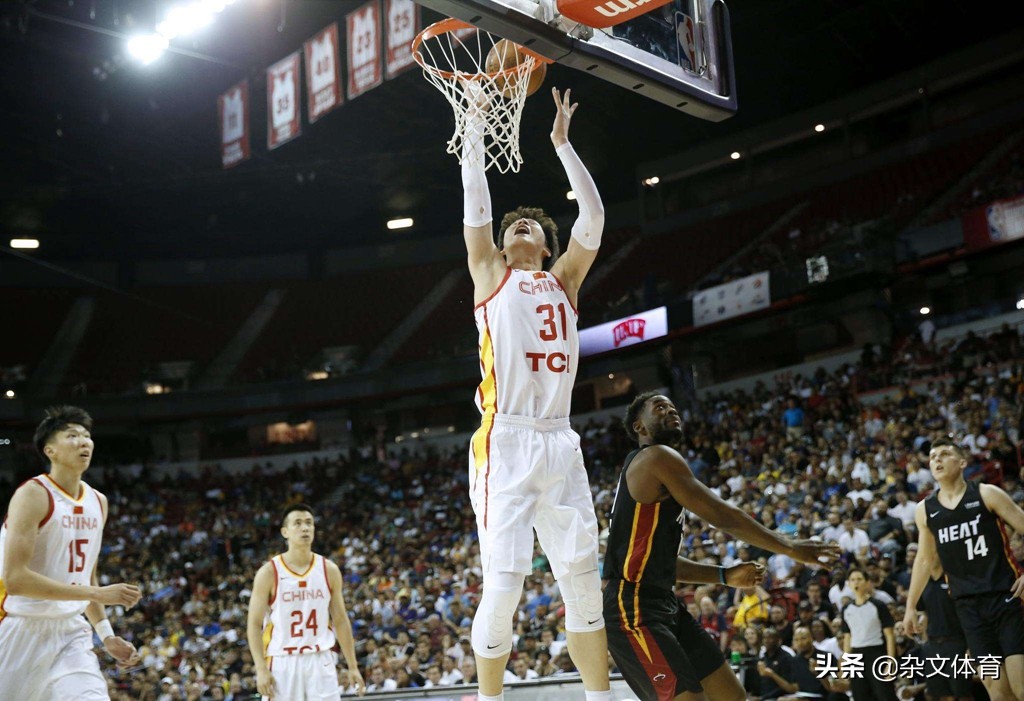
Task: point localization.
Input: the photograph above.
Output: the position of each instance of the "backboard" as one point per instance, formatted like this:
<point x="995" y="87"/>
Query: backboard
<point x="679" y="54"/>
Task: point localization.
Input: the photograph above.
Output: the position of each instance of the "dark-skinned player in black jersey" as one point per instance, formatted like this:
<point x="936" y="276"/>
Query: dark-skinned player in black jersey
<point x="662" y="652"/>
<point x="963" y="525"/>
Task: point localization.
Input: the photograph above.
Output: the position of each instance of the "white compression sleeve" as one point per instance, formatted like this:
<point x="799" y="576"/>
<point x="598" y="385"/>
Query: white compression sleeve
<point x="477" y="205"/>
<point x="590" y="223"/>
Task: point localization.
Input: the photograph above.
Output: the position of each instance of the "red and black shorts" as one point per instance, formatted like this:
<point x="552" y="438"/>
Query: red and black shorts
<point x="657" y="645"/>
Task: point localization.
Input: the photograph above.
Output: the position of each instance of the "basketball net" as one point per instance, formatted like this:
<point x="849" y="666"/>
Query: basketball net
<point x="453" y="55"/>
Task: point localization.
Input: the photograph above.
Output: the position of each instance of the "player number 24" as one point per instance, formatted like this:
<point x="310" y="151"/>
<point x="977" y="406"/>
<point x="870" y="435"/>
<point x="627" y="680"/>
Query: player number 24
<point x="297" y="623"/>
<point x="976" y="546"/>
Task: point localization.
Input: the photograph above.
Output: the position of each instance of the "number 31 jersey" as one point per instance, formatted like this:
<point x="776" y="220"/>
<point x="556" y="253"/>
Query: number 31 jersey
<point x="299" y="616"/>
<point x="529" y="347"/>
<point x="972" y="545"/>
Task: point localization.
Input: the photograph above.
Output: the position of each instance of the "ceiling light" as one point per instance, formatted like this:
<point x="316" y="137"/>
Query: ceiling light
<point x="9" y="394"/>
<point x="570" y="195"/>
<point x="925" y="311"/>
<point x="403" y="223"/>
<point x="1020" y="303"/>
<point x="652" y="181"/>
<point x="147" y="48"/>
<point x="186" y="19"/>
<point x="25" y="243"/>
<point x="735" y="155"/>
<point x="819" y="128"/>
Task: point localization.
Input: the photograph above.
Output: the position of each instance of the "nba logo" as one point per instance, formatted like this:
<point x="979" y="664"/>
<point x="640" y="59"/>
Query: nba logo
<point x="689" y="40"/>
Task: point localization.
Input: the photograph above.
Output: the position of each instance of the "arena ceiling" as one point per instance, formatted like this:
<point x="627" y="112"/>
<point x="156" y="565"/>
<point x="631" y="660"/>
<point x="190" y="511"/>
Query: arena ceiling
<point x="107" y="160"/>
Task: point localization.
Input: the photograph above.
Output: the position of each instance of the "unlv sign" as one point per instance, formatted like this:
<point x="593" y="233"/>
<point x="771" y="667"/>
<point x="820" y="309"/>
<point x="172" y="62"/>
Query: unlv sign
<point x="624" y="332"/>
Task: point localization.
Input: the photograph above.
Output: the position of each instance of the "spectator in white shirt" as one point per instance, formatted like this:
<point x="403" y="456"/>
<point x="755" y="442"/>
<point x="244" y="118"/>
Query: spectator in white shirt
<point x="378" y="682"/>
<point x="853" y="541"/>
<point x="904" y="509"/>
<point x="449" y="673"/>
<point x="521" y="671"/>
<point x="858" y="493"/>
<point x="834" y="529"/>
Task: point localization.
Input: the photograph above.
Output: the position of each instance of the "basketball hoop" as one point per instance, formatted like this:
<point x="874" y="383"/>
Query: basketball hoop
<point x="453" y="55"/>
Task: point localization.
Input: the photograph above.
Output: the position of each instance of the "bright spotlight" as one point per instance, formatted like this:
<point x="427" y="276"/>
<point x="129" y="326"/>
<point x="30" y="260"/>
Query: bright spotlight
<point x="735" y="155"/>
<point x="10" y="394"/>
<point x="925" y="311"/>
<point x="403" y="223"/>
<point x="570" y="195"/>
<point x="1020" y="303"/>
<point x="27" y="244"/>
<point x="147" y="48"/>
<point x="186" y="19"/>
<point x="819" y="128"/>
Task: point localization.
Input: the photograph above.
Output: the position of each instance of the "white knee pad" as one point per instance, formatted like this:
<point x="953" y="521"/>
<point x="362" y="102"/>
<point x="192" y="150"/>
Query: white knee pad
<point x="581" y="592"/>
<point x="492" y="624"/>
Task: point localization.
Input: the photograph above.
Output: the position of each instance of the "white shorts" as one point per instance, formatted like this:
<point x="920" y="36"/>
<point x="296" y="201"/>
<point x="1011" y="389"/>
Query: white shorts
<point x="49" y="659"/>
<point x="310" y="676"/>
<point x="525" y="475"/>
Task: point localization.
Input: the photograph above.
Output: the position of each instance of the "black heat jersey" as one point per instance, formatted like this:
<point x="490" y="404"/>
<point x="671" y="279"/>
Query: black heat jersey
<point x="643" y="539"/>
<point x="942" y="617"/>
<point x="972" y="545"/>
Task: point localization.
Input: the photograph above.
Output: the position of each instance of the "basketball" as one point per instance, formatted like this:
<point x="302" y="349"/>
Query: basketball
<point x="506" y="55"/>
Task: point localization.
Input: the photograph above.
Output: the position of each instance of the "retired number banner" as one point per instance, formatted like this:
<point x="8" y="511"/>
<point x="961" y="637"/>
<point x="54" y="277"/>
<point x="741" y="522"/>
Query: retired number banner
<point x="233" y="113"/>
<point x="732" y="299"/>
<point x="403" y="24"/>
<point x="323" y="73"/>
<point x="365" y="69"/>
<point x="283" y="119"/>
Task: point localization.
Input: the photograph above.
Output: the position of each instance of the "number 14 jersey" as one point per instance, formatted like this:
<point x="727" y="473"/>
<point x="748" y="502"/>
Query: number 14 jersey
<point x="529" y="347"/>
<point x="299" y="617"/>
<point x="972" y="545"/>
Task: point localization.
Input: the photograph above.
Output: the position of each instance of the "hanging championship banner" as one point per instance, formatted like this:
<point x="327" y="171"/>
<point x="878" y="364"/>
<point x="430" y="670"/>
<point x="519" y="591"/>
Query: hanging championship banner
<point x="365" y="69"/>
<point x="734" y="298"/>
<point x="323" y="73"/>
<point x="283" y="122"/>
<point x="233" y="113"/>
<point x="403" y="24"/>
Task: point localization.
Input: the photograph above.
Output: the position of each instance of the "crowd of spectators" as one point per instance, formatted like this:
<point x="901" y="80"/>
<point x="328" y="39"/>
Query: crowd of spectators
<point x="808" y="456"/>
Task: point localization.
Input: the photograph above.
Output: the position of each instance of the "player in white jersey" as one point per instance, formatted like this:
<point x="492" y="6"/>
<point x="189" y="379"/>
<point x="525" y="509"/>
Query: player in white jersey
<point x="50" y="542"/>
<point x="295" y="615"/>
<point x="526" y="468"/>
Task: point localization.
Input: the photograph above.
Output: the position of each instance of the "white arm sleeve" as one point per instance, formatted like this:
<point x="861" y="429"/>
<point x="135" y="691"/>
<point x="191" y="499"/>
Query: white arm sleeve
<point x="590" y="223"/>
<point x="477" y="205"/>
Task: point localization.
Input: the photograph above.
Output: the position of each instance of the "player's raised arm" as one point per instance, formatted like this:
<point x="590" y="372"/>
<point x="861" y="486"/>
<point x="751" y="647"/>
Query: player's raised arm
<point x="670" y="469"/>
<point x="343" y="627"/>
<point x="485" y="262"/>
<point x="581" y="252"/>
<point x="259" y="602"/>
<point x="923" y="563"/>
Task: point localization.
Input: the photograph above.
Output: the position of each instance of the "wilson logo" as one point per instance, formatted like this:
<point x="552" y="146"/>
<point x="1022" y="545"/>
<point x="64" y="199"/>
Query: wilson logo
<point x="630" y="328"/>
<point x="614" y="9"/>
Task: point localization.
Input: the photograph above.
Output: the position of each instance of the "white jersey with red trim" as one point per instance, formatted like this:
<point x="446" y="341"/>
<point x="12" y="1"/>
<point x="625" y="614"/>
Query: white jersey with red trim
<point x="299" y="620"/>
<point x="529" y="347"/>
<point x="67" y="548"/>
